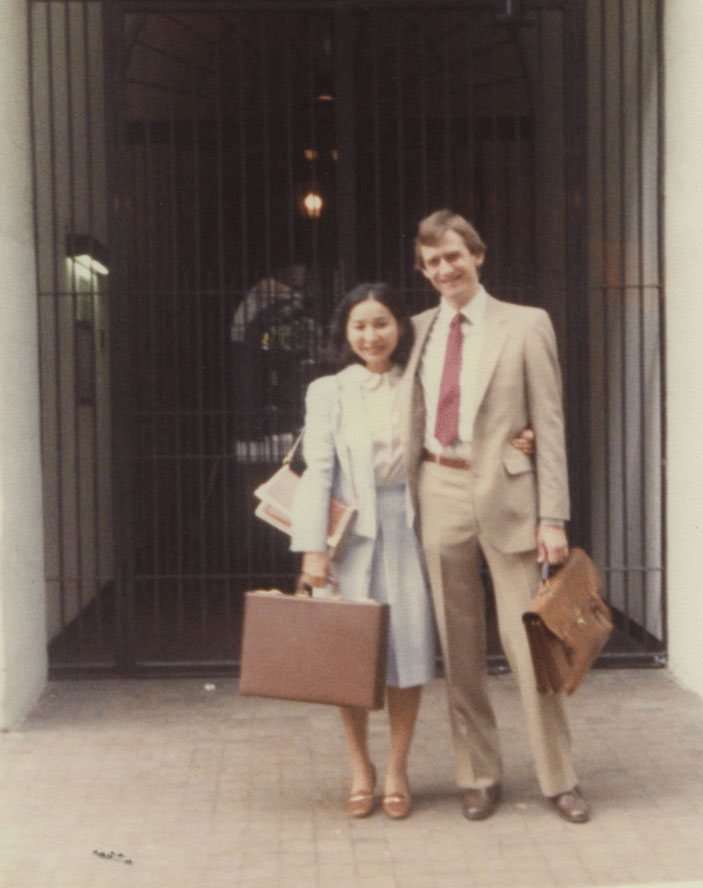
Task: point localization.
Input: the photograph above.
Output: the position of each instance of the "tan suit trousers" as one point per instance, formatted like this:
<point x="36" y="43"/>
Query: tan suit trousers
<point x="453" y="545"/>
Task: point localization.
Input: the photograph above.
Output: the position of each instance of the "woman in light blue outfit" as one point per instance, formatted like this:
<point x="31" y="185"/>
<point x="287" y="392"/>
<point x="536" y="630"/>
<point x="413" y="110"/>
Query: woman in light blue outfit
<point x="353" y="451"/>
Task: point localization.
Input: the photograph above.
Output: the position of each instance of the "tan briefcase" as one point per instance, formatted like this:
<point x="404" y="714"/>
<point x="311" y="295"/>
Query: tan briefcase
<point x="320" y="650"/>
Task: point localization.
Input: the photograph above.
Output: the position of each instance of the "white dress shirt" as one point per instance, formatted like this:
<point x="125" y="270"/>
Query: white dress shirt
<point x="432" y="365"/>
<point x="380" y="393"/>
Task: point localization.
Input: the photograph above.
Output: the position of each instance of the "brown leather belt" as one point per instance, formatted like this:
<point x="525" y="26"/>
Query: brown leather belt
<point x="447" y="461"/>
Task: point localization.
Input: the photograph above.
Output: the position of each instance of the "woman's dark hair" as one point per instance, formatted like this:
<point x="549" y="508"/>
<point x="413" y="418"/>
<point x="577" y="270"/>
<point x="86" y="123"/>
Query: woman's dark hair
<point x="339" y="351"/>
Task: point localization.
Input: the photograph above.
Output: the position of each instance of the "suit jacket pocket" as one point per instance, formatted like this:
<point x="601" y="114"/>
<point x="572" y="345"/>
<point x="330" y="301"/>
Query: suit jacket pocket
<point x="517" y="462"/>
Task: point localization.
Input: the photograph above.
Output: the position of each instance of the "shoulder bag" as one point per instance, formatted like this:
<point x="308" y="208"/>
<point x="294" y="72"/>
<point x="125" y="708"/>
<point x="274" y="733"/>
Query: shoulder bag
<point x="276" y="502"/>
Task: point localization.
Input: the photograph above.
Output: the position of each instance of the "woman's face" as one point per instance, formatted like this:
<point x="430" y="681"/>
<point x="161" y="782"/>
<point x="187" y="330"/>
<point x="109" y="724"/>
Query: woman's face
<point x="372" y="333"/>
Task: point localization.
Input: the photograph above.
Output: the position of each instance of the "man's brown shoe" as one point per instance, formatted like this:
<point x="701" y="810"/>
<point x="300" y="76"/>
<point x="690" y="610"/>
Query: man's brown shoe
<point x="478" y="804"/>
<point x="572" y="806"/>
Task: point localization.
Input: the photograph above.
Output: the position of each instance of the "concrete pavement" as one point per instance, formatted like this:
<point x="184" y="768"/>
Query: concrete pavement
<point x="184" y="784"/>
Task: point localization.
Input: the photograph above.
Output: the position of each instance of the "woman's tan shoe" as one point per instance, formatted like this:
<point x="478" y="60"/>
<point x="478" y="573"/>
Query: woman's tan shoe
<point x="362" y="803"/>
<point x="397" y="805"/>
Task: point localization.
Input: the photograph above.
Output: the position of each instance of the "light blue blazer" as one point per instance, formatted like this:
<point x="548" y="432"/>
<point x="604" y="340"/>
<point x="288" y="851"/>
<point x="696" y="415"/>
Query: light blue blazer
<point x="339" y="462"/>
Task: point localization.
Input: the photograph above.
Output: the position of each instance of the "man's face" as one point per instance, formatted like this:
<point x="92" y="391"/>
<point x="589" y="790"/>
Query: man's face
<point x="452" y="269"/>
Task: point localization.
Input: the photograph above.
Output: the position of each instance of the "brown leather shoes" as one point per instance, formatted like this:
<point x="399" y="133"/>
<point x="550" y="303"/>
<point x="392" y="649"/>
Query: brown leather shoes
<point x="572" y="806"/>
<point x="478" y="804"/>
<point x="396" y="805"/>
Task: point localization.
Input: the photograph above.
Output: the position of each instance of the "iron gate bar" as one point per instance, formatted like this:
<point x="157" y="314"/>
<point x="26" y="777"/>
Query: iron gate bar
<point x="71" y="298"/>
<point x="623" y="278"/>
<point x="400" y="273"/>
<point x="375" y="116"/>
<point x="121" y="364"/>
<point x="344" y="35"/>
<point x="604" y="332"/>
<point x="517" y="275"/>
<point x="641" y="316"/>
<point x="472" y="116"/>
<point x="424" y="188"/>
<point x="198" y="332"/>
<point x="290" y="149"/>
<point x="576" y="260"/>
<point x="497" y="267"/>
<point x="314" y="228"/>
<point x="448" y="197"/>
<point x="660" y="203"/>
<point x="103" y="582"/>
<point x="177" y="287"/>
<point x="223" y="461"/>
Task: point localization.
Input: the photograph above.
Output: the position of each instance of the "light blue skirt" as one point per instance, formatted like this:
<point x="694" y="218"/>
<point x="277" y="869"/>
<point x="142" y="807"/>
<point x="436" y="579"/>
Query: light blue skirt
<point x="391" y="569"/>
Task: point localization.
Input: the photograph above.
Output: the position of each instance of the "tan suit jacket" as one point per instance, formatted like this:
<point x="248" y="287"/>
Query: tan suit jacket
<point x="519" y="386"/>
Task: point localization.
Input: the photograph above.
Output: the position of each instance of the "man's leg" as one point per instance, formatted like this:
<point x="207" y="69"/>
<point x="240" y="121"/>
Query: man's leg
<point x="448" y="531"/>
<point x="516" y="578"/>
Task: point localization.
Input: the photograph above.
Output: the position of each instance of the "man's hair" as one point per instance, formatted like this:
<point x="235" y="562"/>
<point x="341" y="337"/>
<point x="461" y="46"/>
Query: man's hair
<point x="432" y="227"/>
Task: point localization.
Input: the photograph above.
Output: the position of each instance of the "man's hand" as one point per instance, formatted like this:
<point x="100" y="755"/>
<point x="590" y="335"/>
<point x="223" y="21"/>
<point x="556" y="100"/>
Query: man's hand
<point x="552" y="545"/>
<point x="315" y="568"/>
<point x="525" y="441"/>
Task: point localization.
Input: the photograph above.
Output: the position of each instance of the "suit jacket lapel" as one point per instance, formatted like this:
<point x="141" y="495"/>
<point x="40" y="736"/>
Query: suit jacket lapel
<point x="357" y="464"/>
<point x="423" y="325"/>
<point x="494" y="336"/>
<point x="412" y="412"/>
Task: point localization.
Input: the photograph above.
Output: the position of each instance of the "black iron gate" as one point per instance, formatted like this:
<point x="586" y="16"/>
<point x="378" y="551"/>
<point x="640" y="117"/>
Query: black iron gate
<point x="262" y="158"/>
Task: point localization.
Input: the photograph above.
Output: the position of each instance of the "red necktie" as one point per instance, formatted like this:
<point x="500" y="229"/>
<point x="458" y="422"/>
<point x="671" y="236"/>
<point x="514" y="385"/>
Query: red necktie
<point x="447" y="424"/>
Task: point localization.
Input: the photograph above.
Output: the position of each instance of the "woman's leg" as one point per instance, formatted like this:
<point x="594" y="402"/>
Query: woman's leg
<point x="355" y="721"/>
<point x="403" y="706"/>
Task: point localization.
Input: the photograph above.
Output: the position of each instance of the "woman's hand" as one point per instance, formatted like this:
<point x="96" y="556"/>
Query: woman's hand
<point x="315" y="568"/>
<point x="525" y="441"/>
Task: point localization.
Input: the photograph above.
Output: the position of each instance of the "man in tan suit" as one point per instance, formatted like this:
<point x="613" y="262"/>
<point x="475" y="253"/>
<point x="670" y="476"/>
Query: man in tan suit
<point x="480" y="371"/>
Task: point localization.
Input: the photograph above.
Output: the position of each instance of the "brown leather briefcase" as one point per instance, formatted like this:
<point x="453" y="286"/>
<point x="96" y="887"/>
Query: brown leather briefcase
<point x="567" y="624"/>
<point x="320" y="650"/>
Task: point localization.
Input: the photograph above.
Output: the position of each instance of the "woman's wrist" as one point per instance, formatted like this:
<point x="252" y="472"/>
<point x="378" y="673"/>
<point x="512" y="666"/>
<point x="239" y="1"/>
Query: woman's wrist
<point x="315" y="566"/>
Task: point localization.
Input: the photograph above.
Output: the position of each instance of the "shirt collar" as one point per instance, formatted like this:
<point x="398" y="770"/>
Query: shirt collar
<point x="371" y="381"/>
<point x="473" y="311"/>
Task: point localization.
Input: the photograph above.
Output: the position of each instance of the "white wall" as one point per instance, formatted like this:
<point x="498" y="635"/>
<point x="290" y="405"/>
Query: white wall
<point x="683" y="227"/>
<point x="23" y="662"/>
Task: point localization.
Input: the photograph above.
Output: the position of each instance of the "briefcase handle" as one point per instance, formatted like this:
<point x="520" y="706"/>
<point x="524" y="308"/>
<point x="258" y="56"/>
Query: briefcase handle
<point x="548" y="570"/>
<point x="304" y="587"/>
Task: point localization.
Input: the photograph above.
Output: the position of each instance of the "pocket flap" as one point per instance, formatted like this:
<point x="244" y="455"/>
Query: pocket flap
<point x="517" y="462"/>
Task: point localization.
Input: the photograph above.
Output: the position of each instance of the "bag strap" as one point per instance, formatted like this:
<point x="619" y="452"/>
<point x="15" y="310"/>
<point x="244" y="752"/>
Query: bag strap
<point x="288" y="458"/>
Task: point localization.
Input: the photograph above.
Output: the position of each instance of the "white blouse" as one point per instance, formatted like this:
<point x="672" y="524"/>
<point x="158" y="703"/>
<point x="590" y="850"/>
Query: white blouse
<point x="380" y="393"/>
